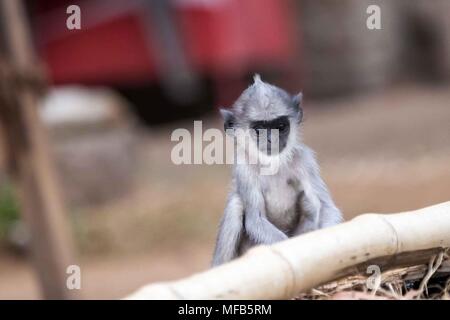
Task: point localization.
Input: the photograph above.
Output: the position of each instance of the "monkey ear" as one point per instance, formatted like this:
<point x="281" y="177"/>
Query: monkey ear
<point x="297" y="100"/>
<point x="228" y="119"/>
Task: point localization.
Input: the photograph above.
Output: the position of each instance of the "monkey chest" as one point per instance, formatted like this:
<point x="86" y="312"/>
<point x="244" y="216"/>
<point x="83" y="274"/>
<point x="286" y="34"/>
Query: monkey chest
<point x="281" y="201"/>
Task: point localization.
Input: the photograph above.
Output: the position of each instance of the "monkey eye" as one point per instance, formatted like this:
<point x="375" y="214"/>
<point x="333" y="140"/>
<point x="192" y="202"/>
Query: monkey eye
<point x="258" y="126"/>
<point x="282" y="126"/>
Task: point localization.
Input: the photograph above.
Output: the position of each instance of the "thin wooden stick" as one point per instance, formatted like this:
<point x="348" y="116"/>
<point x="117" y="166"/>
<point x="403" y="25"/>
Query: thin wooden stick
<point x="285" y="269"/>
<point x="41" y="202"/>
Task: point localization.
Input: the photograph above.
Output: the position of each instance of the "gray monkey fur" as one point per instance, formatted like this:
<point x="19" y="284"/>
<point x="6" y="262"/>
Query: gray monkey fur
<point x="264" y="209"/>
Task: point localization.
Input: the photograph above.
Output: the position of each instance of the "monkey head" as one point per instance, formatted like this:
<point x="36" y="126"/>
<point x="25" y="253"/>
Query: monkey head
<point x="269" y="114"/>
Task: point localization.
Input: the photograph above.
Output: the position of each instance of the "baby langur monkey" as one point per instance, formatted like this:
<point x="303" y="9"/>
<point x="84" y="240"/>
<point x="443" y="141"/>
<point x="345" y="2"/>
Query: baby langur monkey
<point x="264" y="209"/>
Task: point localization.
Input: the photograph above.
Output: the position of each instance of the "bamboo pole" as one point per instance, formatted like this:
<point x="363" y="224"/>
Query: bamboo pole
<point x="41" y="203"/>
<point x="285" y="269"/>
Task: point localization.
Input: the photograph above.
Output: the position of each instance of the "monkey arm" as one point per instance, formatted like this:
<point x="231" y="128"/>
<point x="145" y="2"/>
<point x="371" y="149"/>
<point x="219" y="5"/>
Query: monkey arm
<point x="259" y="229"/>
<point x="230" y="231"/>
<point x="329" y="214"/>
<point x="317" y="206"/>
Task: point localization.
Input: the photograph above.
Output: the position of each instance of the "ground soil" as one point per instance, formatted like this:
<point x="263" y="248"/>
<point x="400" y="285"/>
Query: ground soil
<point x="383" y="152"/>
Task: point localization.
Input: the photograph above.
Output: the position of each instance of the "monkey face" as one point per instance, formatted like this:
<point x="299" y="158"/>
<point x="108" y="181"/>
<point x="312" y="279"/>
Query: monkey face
<point x="269" y="113"/>
<point x="271" y="136"/>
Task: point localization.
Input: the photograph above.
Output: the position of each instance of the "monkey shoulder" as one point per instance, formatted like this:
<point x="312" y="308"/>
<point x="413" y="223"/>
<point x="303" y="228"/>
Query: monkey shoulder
<point x="308" y="160"/>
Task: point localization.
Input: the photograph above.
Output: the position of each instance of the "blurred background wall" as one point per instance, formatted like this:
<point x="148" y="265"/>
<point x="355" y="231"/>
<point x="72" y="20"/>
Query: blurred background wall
<point x="376" y="106"/>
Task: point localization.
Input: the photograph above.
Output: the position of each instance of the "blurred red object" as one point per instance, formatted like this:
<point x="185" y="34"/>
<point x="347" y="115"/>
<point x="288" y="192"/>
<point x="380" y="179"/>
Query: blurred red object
<point x="118" y="44"/>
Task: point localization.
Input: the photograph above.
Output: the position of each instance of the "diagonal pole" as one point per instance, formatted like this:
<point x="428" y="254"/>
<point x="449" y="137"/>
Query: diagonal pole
<point x="41" y="203"/>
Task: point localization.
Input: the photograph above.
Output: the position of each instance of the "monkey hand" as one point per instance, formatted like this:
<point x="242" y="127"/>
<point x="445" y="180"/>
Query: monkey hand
<point x="267" y="233"/>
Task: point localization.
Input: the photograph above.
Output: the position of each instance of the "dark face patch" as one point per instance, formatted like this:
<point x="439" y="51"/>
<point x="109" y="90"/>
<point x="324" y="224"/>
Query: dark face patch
<point x="262" y="131"/>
